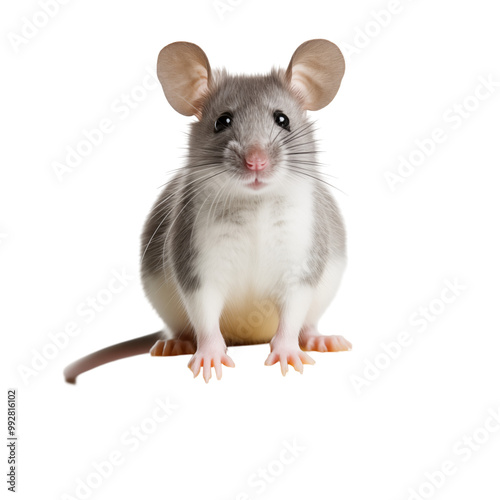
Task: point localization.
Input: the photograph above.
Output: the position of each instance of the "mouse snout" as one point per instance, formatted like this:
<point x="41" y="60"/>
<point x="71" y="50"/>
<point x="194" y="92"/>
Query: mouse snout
<point x="256" y="159"/>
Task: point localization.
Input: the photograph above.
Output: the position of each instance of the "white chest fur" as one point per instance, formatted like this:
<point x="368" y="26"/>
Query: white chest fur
<point x="251" y="245"/>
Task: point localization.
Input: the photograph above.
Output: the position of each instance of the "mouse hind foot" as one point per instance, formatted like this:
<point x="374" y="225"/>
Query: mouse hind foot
<point x="173" y="347"/>
<point x="311" y="340"/>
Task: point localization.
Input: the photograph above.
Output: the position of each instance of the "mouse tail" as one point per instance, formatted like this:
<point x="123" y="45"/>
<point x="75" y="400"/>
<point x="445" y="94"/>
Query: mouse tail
<point x="133" y="347"/>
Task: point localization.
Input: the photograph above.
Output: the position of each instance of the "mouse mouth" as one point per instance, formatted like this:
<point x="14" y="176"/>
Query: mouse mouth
<point x="256" y="184"/>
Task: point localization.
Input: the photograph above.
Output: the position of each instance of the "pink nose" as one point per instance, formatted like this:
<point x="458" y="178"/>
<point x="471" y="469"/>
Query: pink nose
<point x="256" y="160"/>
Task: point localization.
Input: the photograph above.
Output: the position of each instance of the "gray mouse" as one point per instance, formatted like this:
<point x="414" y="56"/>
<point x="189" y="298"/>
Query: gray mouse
<point x="245" y="244"/>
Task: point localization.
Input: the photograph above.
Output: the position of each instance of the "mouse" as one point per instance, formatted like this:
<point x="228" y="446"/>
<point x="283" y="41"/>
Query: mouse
<point x="245" y="244"/>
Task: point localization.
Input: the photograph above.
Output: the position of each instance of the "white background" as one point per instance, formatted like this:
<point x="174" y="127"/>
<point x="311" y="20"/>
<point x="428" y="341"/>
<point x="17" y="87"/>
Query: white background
<point x="62" y="239"/>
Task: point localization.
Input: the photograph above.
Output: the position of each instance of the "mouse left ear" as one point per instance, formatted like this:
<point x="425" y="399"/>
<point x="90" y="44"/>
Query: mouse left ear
<point x="315" y="72"/>
<point x="184" y="73"/>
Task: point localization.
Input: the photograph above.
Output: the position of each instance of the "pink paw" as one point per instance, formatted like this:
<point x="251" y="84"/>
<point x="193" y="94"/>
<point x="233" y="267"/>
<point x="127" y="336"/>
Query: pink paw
<point x="288" y="355"/>
<point x="208" y="357"/>
<point x="322" y="343"/>
<point x="172" y="347"/>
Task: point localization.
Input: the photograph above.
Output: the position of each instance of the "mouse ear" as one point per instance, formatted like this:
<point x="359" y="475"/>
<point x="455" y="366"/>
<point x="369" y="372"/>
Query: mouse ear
<point x="184" y="72"/>
<point x="315" y="72"/>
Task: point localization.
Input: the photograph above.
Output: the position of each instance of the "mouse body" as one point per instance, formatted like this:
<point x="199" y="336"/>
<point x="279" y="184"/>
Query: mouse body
<point x="241" y="258"/>
<point x="245" y="244"/>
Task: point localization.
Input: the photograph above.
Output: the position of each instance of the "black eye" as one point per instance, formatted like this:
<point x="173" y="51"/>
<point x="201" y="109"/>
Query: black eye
<point x="282" y="120"/>
<point x="224" y="121"/>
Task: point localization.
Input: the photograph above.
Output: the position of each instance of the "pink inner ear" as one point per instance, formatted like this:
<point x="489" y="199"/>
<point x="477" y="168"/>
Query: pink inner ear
<point x="301" y="84"/>
<point x="199" y="88"/>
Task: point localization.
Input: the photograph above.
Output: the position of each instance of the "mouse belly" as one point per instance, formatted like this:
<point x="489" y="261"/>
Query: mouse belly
<point x="246" y="320"/>
<point x="249" y="321"/>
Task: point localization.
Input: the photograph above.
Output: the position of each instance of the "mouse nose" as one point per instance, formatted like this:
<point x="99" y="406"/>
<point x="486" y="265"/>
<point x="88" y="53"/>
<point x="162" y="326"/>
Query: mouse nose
<point x="256" y="159"/>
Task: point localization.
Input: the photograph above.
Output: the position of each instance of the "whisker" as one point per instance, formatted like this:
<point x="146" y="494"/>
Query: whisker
<point x="301" y="144"/>
<point x="312" y="171"/>
<point x="300" y="132"/>
<point x="295" y="138"/>
<point x="304" y="152"/>
<point x="299" y="172"/>
<point x="187" y="171"/>
<point x="300" y="161"/>
<point x="159" y="206"/>
<point x="186" y="203"/>
<point x="280" y="130"/>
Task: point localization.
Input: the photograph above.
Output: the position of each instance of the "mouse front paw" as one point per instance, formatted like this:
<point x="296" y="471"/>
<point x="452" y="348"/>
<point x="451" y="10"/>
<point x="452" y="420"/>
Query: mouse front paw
<point x="207" y="357"/>
<point x="288" y="354"/>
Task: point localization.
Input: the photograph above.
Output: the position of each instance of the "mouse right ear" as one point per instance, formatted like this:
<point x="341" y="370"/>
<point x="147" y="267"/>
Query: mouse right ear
<point x="184" y="73"/>
<point x="315" y="72"/>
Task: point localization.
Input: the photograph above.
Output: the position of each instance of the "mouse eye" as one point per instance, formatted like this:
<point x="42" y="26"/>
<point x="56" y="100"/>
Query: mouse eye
<point x="224" y="121"/>
<point x="282" y="120"/>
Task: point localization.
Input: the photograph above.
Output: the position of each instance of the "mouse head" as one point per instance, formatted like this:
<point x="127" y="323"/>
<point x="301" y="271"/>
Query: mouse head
<point x="251" y="131"/>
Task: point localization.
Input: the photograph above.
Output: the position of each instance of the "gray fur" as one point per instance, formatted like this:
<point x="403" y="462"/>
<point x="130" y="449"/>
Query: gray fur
<point x="156" y="227"/>
<point x="329" y="236"/>
<point x="182" y="250"/>
<point x="252" y="100"/>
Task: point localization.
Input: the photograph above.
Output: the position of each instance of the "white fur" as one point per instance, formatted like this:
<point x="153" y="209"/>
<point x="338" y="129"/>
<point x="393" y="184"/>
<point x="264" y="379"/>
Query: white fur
<point x="249" y="273"/>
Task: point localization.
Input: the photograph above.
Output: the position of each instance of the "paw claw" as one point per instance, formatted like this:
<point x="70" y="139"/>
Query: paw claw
<point x="194" y="365"/>
<point x="284" y="365"/>
<point x="297" y="365"/>
<point x="271" y="359"/>
<point x="207" y="370"/>
<point x="288" y="355"/>
<point x="227" y="361"/>
<point x="209" y="359"/>
<point x="218" y="370"/>
<point x="172" y="347"/>
<point x="322" y="343"/>
<point x="157" y="349"/>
